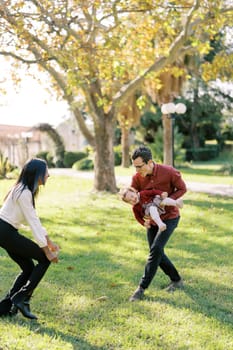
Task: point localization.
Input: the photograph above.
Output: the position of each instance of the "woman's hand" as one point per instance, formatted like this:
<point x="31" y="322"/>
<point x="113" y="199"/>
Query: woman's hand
<point x="51" y="256"/>
<point x="52" y="246"/>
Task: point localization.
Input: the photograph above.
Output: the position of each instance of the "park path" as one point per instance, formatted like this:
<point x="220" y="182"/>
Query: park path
<point x="214" y="189"/>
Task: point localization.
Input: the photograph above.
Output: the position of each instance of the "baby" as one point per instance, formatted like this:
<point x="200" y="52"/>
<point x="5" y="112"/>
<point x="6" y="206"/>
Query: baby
<point x="149" y="204"/>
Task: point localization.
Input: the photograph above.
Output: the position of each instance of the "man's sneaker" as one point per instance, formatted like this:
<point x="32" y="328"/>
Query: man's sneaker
<point x="175" y="285"/>
<point x="137" y="295"/>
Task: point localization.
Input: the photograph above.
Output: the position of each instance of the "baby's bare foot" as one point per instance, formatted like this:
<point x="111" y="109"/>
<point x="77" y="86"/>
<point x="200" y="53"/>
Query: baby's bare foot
<point x="179" y="203"/>
<point x="162" y="227"/>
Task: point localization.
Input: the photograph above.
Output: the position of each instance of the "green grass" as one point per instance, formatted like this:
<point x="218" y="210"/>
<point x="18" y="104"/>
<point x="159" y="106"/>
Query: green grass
<point x="82" y="302"/>
<point x="206" y="172"/>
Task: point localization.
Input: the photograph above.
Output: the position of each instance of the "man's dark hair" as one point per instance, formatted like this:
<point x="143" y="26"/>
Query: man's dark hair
<point x="143" y="152"/>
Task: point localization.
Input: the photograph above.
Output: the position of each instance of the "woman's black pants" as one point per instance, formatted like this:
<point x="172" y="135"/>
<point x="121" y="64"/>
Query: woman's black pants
<point x="23" y="251"/>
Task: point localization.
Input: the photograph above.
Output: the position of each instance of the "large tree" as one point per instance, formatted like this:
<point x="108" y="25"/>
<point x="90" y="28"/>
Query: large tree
<point x="100" y="51"/>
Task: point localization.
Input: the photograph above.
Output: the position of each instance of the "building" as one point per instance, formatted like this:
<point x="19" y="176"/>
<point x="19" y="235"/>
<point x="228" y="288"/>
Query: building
<point x="72" y="137"/>
<point x="18" y="143"/>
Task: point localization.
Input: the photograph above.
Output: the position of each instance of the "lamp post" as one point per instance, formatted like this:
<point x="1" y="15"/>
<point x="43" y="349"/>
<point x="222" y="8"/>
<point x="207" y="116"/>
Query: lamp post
<point x="170" y="110"/>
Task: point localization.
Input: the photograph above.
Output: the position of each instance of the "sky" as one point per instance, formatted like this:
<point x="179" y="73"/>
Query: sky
<point x="30" y="104"/>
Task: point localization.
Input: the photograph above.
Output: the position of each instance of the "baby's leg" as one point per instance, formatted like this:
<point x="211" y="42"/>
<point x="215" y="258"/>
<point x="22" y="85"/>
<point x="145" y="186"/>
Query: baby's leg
<point x="172" y="202"/>
<point x="155" y="216"/>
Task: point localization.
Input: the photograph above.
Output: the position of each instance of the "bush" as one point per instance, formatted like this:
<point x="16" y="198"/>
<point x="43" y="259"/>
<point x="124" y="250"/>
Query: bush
<point x="204" y="153"/>
<point x="59" y="163"/>
<point x="226" y="169"/>
<point x="13" y="174"/>
<point x="83" y="164"/>
<point x="157" y="146"/>
<point x="46" y="155"/>
<point x="117" y="155"/>
<point x="71" y="157"/>
<point x="5" y="166"/>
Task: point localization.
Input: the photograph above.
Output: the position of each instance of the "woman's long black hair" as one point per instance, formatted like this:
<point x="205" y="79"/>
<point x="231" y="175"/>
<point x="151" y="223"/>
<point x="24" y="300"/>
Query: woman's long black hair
<point x="33" y="170"/>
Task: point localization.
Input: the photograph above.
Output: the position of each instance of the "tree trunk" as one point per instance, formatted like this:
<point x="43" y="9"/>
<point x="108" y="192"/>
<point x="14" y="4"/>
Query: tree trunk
<point x="125" y="147"/>
<point x="194" y="136"/>
<point x="104" y="179"/>
<point x="167" y="140"/>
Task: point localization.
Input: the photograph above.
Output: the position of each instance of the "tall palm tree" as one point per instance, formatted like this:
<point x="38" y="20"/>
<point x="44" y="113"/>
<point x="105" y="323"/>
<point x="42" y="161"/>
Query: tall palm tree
<point x="168" y="88"/>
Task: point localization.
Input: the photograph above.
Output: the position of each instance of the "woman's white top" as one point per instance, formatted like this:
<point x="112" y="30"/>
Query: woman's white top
<point x="18" y="209"/>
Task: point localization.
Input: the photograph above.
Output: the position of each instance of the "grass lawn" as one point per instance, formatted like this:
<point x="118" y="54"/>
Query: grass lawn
<point x="82" y="302"/>
<point x="194" y="172"/>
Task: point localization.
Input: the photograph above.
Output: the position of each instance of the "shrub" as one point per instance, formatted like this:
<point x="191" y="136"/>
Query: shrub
<point x="13" y="174"/>
<point x="46" y="155"/>
<point x="71" y="157"/>
<point x="157" y="146"/>
<point x="202" y="153"/>
<point x="226" y="169"/>
<point x="117" y="155"/>
<point x="83" y="164"/>
<point x="5" y="166"/>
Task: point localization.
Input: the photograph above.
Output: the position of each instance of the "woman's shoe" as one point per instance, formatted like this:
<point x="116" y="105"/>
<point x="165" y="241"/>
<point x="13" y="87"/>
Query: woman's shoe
<point x="14" y="310"/>
<point x="25" y="310"/>
<point x="5" y="306"/>
<point x="21" y="302"/>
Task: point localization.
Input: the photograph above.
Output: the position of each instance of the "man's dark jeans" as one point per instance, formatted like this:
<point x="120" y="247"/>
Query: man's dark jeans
<point x="157" y="242"/>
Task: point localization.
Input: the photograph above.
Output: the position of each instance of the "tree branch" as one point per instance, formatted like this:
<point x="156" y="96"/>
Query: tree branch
<point x="23" y="60"/>
<point x="159" y="64"/>
<point x="71" y="101"/>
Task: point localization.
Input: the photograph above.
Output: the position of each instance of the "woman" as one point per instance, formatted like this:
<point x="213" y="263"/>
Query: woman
<point x="19" y="207"/>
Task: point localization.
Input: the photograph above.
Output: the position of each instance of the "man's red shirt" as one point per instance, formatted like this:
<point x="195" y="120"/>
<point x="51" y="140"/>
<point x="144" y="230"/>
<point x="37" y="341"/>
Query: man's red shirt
<point x="164" y="178"/>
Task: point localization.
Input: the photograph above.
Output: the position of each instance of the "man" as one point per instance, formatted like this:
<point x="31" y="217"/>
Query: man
<point x="167" y="179"/>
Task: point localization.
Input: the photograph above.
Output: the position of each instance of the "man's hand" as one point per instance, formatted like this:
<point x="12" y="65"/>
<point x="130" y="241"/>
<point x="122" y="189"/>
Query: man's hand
<point x="147" y="222"/>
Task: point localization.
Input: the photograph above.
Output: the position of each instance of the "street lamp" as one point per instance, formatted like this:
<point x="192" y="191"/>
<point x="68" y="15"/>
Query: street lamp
<point x="170" y="109"/>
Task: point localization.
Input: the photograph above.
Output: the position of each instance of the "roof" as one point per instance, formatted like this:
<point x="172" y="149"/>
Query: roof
<point x="18" y="132"/>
